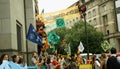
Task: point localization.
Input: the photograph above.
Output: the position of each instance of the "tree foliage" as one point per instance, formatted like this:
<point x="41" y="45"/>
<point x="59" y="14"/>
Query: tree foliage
<point x="77" y="34"/>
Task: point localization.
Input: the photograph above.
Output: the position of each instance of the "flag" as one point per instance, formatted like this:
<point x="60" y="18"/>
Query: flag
<point x="42" y="12"/>
<point x="68" y="49"/>
<point x="33" y="36"/>
<point x="105" y="45"/>
<point x="53" y="38"/>
<point x="81" y="47"/>
<point x="60" y="22"/>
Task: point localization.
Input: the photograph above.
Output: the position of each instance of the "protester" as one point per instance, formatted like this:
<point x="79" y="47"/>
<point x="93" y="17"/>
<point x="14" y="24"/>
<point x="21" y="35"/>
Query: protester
<point x="95" y="63"/>
<point x="73" y="63"/>
<point x="36" y="61"/>
<point x="4" y="62"/>
<point x="103" y="61"/>
<point x="112" y="62"/>
<point x="56" y="63"/>
<point x="22" y="63"/>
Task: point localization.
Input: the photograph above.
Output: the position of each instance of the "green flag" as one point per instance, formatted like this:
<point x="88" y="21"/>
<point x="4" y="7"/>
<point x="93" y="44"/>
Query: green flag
<point x="105" y="45"/>
<point x="60" y="22"/>
<point x="53" y="38"/>
<point x="68" y="49"/>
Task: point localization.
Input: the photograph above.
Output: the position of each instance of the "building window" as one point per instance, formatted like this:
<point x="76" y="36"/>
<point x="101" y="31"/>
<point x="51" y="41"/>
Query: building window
<point x="76" y="18"/>
<point x="89" y="14"/>
<point x="105" y="19"/>
<point x="90" y="22"/>
<point x="19" y="36"/>
<point x="94" y="12"/>
<point x="94" y="21"/>
<point x="104" y="8"/>
<point x="73" y="20"/>
<point x="70" y="22"/>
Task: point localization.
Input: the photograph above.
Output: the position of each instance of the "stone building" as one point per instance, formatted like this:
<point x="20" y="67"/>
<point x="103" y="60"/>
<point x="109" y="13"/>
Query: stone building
<point x="101" y="14"/>
<point x="15" y="17"/>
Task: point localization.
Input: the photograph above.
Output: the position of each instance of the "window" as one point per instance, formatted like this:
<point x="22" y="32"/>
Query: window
<point x="94" y="12"/>
<point x="76" y="18"/>
<point x="105" y="19"/>
<point x="19" y="36"/>
<point x="73" y="20"/>
<point x="104" y="8"/>
<point x="90" y="21"/>
<point x="89" y="14"/>
<point x="94" y="21"/>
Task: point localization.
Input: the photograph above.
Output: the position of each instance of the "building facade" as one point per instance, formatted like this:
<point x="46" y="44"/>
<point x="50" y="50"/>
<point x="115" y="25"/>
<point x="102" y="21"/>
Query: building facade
<point x="15" y="17"/>
<point x="101" y="14"/>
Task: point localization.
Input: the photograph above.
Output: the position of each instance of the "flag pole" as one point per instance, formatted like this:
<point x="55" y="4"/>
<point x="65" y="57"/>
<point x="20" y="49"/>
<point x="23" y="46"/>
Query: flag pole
<point x="82" y="10"/>
<point x="26" y="31"/>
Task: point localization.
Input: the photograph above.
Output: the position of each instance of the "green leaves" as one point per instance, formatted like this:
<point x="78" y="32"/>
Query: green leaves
<point x="77" y="34"/>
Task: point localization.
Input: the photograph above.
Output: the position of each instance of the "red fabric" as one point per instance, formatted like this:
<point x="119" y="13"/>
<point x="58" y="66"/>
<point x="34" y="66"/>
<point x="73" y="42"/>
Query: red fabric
<point x="56" y="63"/>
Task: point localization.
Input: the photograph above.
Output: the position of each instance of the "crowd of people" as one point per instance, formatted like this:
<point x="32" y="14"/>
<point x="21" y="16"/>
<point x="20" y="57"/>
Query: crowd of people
<point x="16" y="63"/>
<point x="59" y="61"/>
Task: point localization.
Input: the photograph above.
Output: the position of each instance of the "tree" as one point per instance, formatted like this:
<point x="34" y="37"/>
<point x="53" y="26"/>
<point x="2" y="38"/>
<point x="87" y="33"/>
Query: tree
<point x="77" y="34"/>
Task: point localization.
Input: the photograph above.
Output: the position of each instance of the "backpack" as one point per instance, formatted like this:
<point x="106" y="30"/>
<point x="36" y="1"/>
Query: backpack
<point x="112" y="63"/>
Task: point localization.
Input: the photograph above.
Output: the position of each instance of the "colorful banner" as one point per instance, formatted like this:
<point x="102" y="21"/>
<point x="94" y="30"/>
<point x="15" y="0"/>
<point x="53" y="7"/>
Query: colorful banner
<point x="58" y="19"/>
<point x="85" y="66"/>
<point x="67" y="14"/>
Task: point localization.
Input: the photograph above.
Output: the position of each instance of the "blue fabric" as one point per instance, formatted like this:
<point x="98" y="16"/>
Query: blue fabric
<point x="5" y="65"/>
<point x="32" y="67"/>
<point x="33" y="36"/>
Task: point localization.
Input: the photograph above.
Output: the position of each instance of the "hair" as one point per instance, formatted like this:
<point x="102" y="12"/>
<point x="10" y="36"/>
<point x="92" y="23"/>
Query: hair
<point x="93" y="59"/>
<point x="2" y="57"/>
<point x="13" y="58"/>
<point x="113" y="50"/>
<point x="34" y="53"/>
<point x="20" y="61"/>
<point x="103" y="55"/>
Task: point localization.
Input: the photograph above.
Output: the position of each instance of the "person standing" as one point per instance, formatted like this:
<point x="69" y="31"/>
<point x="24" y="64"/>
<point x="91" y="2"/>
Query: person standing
<point x="4" y="62"/>
<point x="112" y="62"/>
<point x="95" y="63"/>
<point x="103" y="61"/>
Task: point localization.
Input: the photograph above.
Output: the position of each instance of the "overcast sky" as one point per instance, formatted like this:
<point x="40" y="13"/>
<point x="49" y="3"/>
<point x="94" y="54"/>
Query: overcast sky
<point x="54" y="5"/>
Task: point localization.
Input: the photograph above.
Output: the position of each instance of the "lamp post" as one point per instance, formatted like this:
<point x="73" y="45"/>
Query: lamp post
<point x="82" y="10"/>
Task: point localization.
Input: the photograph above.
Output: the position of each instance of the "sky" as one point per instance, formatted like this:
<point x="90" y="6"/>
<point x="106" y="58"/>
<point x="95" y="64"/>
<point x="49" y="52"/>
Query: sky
<point x="54" y="5"/>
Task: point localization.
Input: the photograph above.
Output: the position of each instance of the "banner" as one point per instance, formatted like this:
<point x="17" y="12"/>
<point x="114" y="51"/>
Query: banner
<point x="85" y="66"/>
<point x="67" y="18"/>
<point x="67" y="14"/>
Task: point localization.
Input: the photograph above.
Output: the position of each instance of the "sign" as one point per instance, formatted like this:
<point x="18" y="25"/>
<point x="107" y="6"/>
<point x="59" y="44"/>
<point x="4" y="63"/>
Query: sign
<point x="105" y="45"/>
<point x="60" y="22"/>
<point x="85" y="66"/>
<point x="53" y="38"/>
